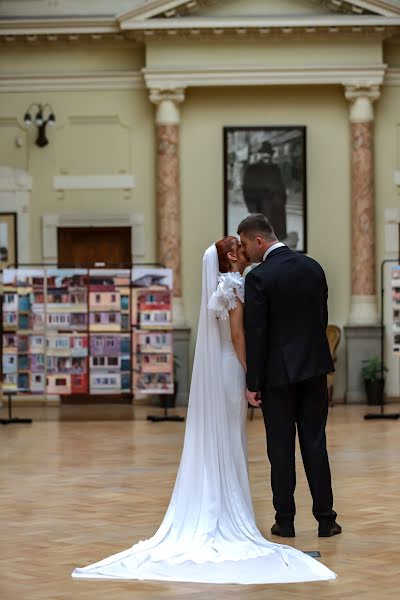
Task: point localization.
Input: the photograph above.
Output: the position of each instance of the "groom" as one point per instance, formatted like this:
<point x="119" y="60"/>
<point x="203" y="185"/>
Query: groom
<point x="288" y="358"/>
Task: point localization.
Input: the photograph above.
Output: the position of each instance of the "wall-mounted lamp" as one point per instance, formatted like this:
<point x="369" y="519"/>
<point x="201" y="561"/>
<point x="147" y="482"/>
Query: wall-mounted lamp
<point x="41" y="121"/>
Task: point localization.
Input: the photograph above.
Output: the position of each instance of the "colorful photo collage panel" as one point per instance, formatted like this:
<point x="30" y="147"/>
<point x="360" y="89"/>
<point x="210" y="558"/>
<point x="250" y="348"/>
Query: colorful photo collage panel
<point x="72" y="331"/>
<point x="396" y="309"/>
<point x="153" y="371"/>
<point x="110" y="331"/>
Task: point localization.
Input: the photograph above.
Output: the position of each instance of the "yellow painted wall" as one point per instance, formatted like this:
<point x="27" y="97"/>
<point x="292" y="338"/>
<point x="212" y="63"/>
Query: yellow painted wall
<point x="70" y="58"/>
<point x="387" y="160"/>
<point x="387" y="157"/>
<point x="96" y="132"/>
<point x="113" y="132"/>
<point x="252" y="8"/>
<point x="391" y="53"/>
<point x="324" y="112"/>
<point x="78" y="154"/>
<point x="274" y="53"/>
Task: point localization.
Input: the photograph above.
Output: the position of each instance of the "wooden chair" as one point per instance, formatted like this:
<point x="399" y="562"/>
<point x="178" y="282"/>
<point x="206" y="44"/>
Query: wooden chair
<point x="334" y="334"/>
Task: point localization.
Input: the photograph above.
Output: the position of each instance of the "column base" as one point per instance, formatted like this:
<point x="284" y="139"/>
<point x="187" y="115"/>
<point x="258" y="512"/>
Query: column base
<point x="364" y="310"/>
<point x="362" y="342"/>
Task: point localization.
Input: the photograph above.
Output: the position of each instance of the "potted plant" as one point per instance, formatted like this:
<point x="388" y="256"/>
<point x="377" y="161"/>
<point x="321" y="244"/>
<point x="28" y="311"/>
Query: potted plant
<point x="169" y="400"/>
<point x="372" y="371"/>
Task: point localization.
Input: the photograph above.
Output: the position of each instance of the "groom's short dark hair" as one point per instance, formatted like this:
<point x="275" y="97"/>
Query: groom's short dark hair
<point x="257" y="224"/>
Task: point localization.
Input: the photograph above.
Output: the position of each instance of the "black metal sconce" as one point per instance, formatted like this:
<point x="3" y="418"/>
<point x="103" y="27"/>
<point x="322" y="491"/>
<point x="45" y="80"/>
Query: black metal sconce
<point x="41" y="121"/>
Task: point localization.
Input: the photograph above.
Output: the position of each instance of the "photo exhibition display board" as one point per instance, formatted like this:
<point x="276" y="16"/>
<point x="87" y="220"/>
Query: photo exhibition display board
<point x="396" y="309"/>
<point x="87" y="331"/>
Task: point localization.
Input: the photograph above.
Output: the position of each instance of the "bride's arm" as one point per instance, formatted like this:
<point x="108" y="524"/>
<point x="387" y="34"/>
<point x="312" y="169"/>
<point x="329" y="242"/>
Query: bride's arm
<point x="237" y="332"/>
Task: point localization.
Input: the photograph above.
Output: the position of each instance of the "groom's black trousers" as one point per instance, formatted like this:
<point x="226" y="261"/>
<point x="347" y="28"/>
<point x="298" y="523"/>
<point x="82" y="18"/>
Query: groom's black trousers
<point x="305" y="405"/>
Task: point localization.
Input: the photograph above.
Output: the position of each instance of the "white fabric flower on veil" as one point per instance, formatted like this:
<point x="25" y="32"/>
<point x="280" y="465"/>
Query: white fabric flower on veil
<point x="230" y="288"/>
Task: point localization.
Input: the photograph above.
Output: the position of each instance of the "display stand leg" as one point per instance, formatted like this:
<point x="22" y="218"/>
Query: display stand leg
<point x="382" y="414"/>
<point x="165" y="416"/>
<point x="12" y="419"/>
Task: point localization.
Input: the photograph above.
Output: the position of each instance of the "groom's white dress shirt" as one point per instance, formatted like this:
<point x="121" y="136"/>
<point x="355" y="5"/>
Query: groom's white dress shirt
<point x="273" y="247"/>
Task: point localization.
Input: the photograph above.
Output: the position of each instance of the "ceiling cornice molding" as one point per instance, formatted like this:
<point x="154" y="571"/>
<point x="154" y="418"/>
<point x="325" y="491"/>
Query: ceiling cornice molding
<point x="85" y="81"/>
<point x="164" y="78"/>
<point x="382" y="7"/>
<point x="159" y="8"/>
<point x="33" y="30"/>
<point x="392" y="76"/>
<point x="58" y="26"/>
<point x="344" y="21"/>
<point x="176" y="8"/>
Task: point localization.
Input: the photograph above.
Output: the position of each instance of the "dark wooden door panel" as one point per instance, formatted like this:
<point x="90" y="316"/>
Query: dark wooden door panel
<point x="90" y="245"/>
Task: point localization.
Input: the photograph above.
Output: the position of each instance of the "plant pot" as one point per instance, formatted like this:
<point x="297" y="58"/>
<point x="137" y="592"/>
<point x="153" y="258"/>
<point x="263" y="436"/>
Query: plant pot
<point x="169" y="400"/>
<point x="374" y="391"/>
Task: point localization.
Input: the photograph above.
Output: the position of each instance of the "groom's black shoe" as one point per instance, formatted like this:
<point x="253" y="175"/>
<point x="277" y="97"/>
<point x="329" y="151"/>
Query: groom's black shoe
<point x="283" y="530"/>
<point x="329" y="530"/>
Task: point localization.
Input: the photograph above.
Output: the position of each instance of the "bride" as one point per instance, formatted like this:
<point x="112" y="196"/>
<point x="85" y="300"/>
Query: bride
<point x="209" y="533"/>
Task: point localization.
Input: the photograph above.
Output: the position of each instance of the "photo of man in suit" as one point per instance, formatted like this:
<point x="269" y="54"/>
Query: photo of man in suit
<point x="264" y="189"/>
<point x="265" y="173"/>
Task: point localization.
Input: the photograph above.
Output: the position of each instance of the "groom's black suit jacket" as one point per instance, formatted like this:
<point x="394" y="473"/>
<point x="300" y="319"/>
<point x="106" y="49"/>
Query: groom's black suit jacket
<point x="286" y="317"/>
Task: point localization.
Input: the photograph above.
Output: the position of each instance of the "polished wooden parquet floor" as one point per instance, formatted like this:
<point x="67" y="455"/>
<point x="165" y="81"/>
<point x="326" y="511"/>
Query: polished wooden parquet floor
<point x="74" y="492"/>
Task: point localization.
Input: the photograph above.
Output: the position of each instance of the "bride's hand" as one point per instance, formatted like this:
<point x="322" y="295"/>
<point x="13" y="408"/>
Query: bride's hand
<point x="253" y="398"/>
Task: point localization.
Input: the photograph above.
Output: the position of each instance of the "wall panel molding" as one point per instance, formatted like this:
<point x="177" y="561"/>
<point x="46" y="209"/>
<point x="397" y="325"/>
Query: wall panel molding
<point x="15" y="196"/>
<point x="94" y="182"/>
<point x="51" y="222"/>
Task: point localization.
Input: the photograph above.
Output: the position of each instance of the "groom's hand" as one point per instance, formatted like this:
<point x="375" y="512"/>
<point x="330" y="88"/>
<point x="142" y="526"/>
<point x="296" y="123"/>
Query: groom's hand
<point x="253" y="398"/>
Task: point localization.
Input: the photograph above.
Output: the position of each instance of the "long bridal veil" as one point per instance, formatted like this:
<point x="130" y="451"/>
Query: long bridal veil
<point x="208" y="533"/>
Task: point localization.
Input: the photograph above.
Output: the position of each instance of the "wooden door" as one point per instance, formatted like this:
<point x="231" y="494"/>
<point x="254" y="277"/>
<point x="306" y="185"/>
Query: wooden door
<point x="89" y="245"/>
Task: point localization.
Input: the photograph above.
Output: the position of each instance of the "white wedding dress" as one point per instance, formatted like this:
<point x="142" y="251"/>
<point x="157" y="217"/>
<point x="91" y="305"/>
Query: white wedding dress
<point x="209" y="533"/>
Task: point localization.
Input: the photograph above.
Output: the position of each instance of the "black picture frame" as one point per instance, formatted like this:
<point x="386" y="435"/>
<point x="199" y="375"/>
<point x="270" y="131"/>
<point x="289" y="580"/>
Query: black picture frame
<point x="265" y="171"/>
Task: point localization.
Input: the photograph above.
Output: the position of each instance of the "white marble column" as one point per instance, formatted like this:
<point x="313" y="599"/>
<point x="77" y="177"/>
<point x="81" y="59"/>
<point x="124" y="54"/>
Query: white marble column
<point x="168" y="188"/>
<point x="363" y="289"/>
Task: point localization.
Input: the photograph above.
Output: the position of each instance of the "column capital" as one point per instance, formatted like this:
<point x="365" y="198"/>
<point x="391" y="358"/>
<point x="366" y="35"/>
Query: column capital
<point x="361" y="98"/>
<point x="158" y="95"/>
<point x="167" y="101"/>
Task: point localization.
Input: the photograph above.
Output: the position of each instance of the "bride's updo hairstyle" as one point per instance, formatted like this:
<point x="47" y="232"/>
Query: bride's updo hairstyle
<point x="227" y="244"/>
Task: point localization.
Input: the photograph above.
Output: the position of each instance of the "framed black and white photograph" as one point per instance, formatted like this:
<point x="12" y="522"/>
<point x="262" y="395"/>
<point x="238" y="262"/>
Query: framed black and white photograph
<point x="8" y="239"/>
<point x="265" y="172"/>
